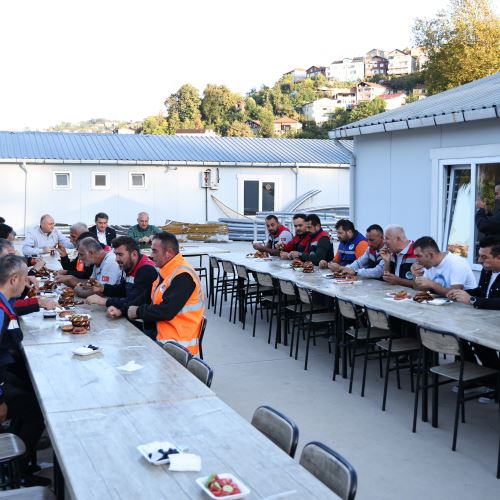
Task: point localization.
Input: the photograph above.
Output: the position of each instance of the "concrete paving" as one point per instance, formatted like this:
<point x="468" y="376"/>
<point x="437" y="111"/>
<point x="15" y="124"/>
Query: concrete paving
<point x="391" y="461"/>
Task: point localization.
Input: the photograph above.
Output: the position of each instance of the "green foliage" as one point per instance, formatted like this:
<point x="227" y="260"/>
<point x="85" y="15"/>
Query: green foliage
<point x="220" y="107"/>
<point x="462" y="44"/>
<point x="184" y="106"/>
<point x="239" y="129"/>
<point x="156" y="125"/>
<point x="266" y="119"/>
<point x="310" y="130"/>
<point x="411" y="98"/>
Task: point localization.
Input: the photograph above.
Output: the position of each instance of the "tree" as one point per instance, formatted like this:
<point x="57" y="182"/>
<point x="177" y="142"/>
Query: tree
<point x="266" y="119"/>
<point x="411" y="98"/>
<point x="220" y="107"/>
<point x="185" y="104"/>
<point x="462" y="44"/>
<point x="366" y="109"/>
<point x="156" y="125"/>
<point x="239" y="129"/>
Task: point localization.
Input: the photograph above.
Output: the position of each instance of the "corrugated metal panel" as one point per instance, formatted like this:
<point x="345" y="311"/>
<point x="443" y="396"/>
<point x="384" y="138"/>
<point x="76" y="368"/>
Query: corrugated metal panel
<point x="116" y="147"/>
<point x="477" y="100"/>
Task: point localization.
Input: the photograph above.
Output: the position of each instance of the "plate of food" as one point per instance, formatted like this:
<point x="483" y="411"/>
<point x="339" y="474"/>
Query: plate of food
<point x="223" y="485"/>
<point x="308" y="267"/>
<point x="399" y="296"/>
<point x="158" y="452"/>
<point x="86" y="350"/>
<point x="422" y="297"/>
<point x="346" y="279"/>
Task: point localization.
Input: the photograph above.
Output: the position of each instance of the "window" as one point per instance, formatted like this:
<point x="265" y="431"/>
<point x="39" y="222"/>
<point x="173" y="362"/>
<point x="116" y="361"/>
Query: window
<point x="61" y="180"/>
<point x="465" y="184"/>
<point x="258" y="196"/>
<point x="137" y="180"/>
<point x="100" y="180"/>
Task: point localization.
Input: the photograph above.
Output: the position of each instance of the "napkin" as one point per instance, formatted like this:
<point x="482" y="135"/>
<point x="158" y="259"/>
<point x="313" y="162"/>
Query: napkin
<point x="185" y="462"/>
<point x="131" y="366"/>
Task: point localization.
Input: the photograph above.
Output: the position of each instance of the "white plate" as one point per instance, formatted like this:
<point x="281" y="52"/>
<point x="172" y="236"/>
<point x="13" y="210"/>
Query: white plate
<point x="439" y="302"/>
<point x="152" y="449"/>
<point x="49" y="295"/>
<point x="286" y="266"/>
<point x="392" y="299"/>
<point x="244" y="489"/>
<point x="85" y="351"/>
<point x="345" y="282"/>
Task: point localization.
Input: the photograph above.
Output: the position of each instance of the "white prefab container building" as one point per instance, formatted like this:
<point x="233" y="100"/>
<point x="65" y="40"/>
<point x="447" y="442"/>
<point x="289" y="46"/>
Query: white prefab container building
<point x="424" y="165"/>
<point x="74" y="176"/>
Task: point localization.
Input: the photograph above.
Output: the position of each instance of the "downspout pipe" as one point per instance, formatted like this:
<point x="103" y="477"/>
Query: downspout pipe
<point x="352" y="191"/>
<point x="22" y="166"/>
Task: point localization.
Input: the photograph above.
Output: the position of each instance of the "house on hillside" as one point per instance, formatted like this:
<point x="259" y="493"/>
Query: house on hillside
<point x="393" y="101"/>
<point x="284" y="124"/>
<point x="298" y="74"/>
<point x="367" y="91"/>
<point x="401" y="63"/>
<point x="427" y="162"/>
<point x="347" y="70"/>
<point x="74" y="176"/>
<point x="377" y="52"/>
<point x="320" y="110"/>
<point x="376" y="65"/>
<point x="314" y="71"/>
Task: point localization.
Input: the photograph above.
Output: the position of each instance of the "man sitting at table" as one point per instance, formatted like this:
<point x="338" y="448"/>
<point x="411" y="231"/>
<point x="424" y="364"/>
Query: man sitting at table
<point x="177" y="299"/>
<point x="370" y="264"/>
<point x="44" y="238"/>
<point x="438" y="271"/>
<point x="279" y="235"/>
<point x="17" y="398"/>
<point x="104" y="234"/>
<point x="143" y="231"/>
<point x="105" y="269"/>
<point x="319" y="246"/>
<point x="138" y="274"/>
<point x="352" y="244"/>
<point x="301" y="239"/>
<point x="398" y="257"/>
<point x="73" y="268"/>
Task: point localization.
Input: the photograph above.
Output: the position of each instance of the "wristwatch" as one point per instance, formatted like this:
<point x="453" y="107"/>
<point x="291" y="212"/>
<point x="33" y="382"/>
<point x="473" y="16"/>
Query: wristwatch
<point x="472" y="301"/>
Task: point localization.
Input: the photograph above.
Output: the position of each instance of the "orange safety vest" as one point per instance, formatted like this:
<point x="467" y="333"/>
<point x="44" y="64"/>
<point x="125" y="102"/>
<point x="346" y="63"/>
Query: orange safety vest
<point x="184" y="328"/>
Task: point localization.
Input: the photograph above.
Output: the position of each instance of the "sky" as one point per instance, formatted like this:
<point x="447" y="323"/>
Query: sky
<point x="73" y="60"/>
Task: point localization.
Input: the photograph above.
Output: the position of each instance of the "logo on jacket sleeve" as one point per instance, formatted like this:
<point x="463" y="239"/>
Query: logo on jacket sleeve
<point x="351" y="246"/>
<point x="105" y="279"/>
<point x="409" y="275"/>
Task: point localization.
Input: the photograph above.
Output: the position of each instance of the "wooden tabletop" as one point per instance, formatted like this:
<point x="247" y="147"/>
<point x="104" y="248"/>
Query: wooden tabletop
<point x="101" y="460"/>
<point x="67" y="382"/>
<point x="476" y="325"/>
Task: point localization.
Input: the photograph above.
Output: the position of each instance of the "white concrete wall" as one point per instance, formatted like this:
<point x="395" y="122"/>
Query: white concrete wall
<point x="393" y="174"/>
<point x="169" y="194"/>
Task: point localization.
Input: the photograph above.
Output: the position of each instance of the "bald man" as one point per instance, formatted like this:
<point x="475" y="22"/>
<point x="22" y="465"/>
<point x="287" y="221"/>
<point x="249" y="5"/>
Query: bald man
<point x="143" y="231"/>
<point x="398" y="257"/>
<point x="44" y="238"/>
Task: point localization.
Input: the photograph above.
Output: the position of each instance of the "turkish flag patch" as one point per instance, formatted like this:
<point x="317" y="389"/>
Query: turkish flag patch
<point x="105" y="279"/>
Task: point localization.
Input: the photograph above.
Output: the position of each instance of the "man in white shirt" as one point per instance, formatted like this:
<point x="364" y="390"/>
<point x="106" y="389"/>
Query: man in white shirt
<point x="106" y="271"/>
<point x="44" y="238"/>
<point x="439" y="271"/>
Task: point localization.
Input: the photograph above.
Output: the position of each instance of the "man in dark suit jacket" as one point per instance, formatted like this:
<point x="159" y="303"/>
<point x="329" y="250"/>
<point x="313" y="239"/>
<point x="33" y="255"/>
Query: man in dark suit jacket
<point x="486" y="295"/>
<point x="104" y="234"/>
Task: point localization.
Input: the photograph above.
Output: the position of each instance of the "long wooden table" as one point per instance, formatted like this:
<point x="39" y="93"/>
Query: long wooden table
<point x="97" y="415"/>
<point x="476" y="325"/>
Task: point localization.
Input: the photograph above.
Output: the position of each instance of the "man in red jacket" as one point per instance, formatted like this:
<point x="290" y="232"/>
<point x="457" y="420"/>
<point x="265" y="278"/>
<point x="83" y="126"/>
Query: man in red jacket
<point x="279" y="235"/>
<point x="300" y="240"/>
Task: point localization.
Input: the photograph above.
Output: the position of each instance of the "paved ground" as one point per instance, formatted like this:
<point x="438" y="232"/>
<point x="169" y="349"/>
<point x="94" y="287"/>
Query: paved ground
<point x="391" y="461"/>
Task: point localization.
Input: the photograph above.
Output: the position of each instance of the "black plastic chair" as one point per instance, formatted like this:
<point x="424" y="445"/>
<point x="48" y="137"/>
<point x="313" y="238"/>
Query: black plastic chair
<point x="177" y="351"/>
<point x="331" y="468"/>
<point x="281" y="430"/>
<point x="201" y="370"/>
<point x="201" y="335"/>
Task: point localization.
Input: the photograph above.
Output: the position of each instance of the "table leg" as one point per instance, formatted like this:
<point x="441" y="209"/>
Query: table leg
<point x="58" y="480"/>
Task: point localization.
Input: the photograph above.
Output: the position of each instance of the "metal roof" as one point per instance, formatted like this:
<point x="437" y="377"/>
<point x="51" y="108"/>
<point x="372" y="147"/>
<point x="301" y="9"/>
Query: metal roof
<point x="168" y="149"/>
<point x="477" y="100"/>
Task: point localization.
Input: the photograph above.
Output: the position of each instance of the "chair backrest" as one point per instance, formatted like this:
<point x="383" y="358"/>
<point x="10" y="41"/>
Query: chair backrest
<point x="378" y="318"/>
<point x="201" y="370"/>
<point x="282" y="431"/>
<point x="287" y="287"/>
<point x="346" y="309"/>
<point x="228" y="266"/>
<point x="442" y="342"/>
<point x="11" y="446"/>
<point x="241" y="271"/>
<point x="265" y="279"/>
<point x="330" y="468"/>
<point x="305" y="295"/>
<point x="31" y="493"/>
<point x="202" y="333"/>
<point x="177" y="351"/>
<point x="214" y="262"/>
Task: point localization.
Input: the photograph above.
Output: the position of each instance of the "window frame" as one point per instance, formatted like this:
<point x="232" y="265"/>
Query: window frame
<point x="55" y="186"/>
<point x="442" y="159"/>
<point x="263" y="179"/>
<point x="93" y="175"/>
<point x="131" y="185"/>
